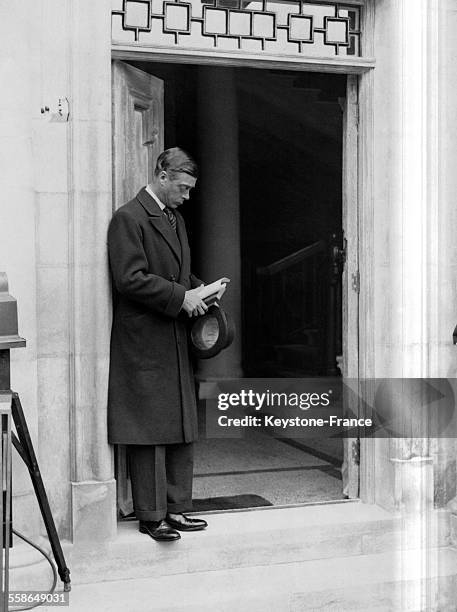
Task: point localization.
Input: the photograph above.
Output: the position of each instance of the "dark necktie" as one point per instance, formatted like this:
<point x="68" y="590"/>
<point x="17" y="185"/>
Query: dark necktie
<point x="171" y="216"/>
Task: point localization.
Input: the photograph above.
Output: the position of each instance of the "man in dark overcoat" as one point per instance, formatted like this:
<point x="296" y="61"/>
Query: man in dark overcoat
<point x="151" y="399"/>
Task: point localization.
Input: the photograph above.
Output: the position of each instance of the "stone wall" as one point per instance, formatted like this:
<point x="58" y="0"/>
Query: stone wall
<point x="56" y="186"/>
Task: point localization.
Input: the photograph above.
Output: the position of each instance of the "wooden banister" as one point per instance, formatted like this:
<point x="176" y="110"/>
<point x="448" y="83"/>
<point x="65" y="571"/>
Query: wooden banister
<point x="298" y="302"/>
<point x="292" y="259"/>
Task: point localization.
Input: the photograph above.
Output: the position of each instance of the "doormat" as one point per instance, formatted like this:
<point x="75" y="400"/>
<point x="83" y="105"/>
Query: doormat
<point x="229" y="502"/>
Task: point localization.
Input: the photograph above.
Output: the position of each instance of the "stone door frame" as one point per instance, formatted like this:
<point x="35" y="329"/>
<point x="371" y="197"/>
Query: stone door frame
<point x="362" y="365"/>
<point x="93" y="488"/>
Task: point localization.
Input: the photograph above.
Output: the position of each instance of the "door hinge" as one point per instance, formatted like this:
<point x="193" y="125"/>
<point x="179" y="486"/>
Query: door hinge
<point x="338" y="255"/>
<point x="356" y="281"/>
<point x="356" y="451"/>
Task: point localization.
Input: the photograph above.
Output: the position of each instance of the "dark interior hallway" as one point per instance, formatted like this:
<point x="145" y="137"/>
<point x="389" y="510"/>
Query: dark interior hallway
<point x="290" y="168"/>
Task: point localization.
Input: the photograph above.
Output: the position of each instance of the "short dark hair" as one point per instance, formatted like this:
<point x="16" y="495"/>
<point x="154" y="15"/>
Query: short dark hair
<point x="176" y="160"/>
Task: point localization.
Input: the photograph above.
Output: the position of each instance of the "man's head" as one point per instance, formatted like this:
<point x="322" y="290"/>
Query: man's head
<point x="175" y="175"/>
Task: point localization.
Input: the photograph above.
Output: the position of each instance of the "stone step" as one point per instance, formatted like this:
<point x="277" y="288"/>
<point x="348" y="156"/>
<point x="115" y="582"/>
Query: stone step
<point x="354" y="583"/>
<point x="244" y="539"/>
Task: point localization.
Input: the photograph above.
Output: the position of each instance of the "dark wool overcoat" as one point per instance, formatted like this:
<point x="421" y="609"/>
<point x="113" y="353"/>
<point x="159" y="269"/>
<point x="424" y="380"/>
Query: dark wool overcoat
<point x="151" y="397"/>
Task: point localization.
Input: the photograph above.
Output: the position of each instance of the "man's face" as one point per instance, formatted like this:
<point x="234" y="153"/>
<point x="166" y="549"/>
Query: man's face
<point x="177" y="187"/>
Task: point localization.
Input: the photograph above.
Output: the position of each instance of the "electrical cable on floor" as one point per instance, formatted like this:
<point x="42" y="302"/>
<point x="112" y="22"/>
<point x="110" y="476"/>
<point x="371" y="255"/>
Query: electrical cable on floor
<point x="54" y="573"/>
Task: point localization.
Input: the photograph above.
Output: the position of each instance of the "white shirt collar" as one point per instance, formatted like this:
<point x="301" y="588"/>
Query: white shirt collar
<point x="153" y="195"/>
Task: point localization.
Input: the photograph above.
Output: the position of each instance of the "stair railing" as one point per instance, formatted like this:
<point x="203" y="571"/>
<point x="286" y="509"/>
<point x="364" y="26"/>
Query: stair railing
<point x="299" y="303"/>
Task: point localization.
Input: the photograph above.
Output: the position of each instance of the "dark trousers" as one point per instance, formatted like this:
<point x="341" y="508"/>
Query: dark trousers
<point x="161" y="478"/>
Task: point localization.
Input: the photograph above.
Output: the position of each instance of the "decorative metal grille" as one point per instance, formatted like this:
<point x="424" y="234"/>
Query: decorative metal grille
<point x="293" y="27"/>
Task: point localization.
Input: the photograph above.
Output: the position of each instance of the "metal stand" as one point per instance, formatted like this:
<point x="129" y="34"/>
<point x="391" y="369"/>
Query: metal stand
<point x="23" y="444"/>
<point x="5" y="497"/>
<point x="11" y="410"/>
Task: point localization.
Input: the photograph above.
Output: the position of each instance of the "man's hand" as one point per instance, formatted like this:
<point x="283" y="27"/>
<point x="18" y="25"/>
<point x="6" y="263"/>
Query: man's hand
<point x="193" y="304"/>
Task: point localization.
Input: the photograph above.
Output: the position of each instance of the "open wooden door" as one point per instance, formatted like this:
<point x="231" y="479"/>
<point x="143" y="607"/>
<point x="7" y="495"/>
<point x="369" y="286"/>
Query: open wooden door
<point x="138" y="120"/>
<point x="351" y="280"/>
<point x="138" y="139"/>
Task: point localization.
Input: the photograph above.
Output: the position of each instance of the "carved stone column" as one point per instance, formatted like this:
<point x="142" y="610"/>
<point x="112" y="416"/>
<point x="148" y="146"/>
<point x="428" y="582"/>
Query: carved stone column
<point x="92" y="481"/>
<point x="406" y="239"/>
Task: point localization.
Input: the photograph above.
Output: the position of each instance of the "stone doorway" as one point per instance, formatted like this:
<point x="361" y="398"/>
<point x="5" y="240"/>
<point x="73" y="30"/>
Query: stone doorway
<point x="291" y="133"/>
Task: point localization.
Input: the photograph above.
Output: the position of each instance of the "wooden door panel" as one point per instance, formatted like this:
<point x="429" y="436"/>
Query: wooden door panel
<point x="351" y="279"/>
<point x="138" y="139"/>
<point x="138" y="122"/>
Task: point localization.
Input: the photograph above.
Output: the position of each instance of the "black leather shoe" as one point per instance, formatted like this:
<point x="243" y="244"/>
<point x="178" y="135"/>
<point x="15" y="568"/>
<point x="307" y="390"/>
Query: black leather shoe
<point x="184" y="523"/>
<point x="159" y="530"/>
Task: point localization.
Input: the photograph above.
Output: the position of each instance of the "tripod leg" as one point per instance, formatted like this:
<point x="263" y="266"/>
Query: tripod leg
<point x="40" y="492"/>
